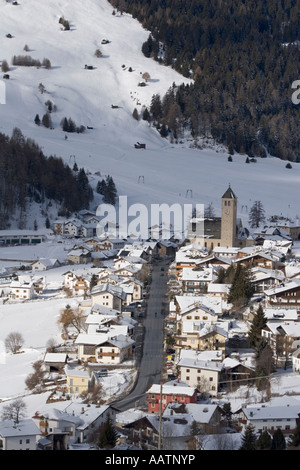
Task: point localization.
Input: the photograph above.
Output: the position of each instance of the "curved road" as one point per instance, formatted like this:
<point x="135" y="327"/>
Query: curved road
<point x="152" y="360"/>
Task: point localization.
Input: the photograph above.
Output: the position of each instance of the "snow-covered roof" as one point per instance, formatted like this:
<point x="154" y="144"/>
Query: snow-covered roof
<point x="293" y="284"/>
<point x="120" y="341"/>
<point x="190" y="274"/>
<point x="25" y="427"/>
<point x="112" y="289"/>
<point x="272" y="412"/>
<point x="87" y="413"/>
<point x="55" y="357"/>
<point x="173" y="387"/>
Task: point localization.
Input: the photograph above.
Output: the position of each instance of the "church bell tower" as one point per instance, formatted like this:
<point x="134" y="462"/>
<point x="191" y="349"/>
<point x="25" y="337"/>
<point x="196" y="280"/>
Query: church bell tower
<point x="229" y="217"/>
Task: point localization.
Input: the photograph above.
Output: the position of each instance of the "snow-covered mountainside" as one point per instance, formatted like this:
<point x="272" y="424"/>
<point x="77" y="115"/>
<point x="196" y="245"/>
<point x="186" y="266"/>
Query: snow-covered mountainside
<point x="168" y="170"/>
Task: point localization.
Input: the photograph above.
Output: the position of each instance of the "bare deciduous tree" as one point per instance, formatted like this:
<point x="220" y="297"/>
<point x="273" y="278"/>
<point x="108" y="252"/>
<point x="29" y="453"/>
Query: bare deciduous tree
<point x="14" y="410"/>
<point x="14" y="342"/>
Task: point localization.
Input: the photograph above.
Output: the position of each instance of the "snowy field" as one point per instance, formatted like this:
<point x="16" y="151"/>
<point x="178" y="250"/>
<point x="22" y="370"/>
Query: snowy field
<point x="169" y="170"/>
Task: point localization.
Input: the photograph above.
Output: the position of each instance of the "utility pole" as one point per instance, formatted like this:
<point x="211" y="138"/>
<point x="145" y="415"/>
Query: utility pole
<point x="160" y="416"/>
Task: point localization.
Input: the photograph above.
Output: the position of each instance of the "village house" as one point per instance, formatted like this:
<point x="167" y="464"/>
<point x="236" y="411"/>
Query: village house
<point x="128" y="270"/>
<point x="197" y="280"/>
<point x="92" y="418"/>
<point x="225" y="253"/>
<point x="175" y="391"/>
<point x="188" y="256"/>
<point x="270" y="233"/>
<point x="22" y="435"/>
<point x="43" y="264"/>
<point x="72" y="228"/>
<point x="201" y="370"/>
<point x="175" y="427"/>
<point x="208" y="416"/>
<point x="218" y="290"/>
<point x="186" y="303"/>
<point x="78" y="379"/>
<point x="285" y="295"/>
<point x="58" y="227"/>
<point x="108" y="295"/>
<point x="283" y="337"/>
<point x="116" y="325"/>
<point x="196" y="312"/>
<point x="279" y="413"/>
<point x="80" y="256"/>
<point x="88" y="230"/>
<point x="80" y="287"/>
<point x="21" y="290"/>
<point x="214" y="261"/>
<point x="104" y="348"/>
<point x="261" y="259"/>
<point x="292" y="227"/>
<point x="202" y="336"/>
<point x="58" y="428"/>
<point x="236" y="373"/>
<point x="75" y="284"/>
<point x="143" y="432"/>
<point x="296" y="360"/>
<point x="263" y="278"/>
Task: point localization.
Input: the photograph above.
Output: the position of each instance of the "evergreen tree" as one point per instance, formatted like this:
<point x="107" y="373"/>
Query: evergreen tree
<point x="295" y="437"/>
<point x="241" y="289"/>
<point x="147" y="46"/>
<point x="228" y="413"/>
<point x="110" y="194"/>
<point x="108" y="435"/>
<point x="156" y="107"/>
<point x="256" y="214"/>
<point x="249" y="439"/>
<point x="94" y="280"/>
<point x="264" y="442"/>
<point x="146" y="115"/>
<point x="258" y="322"/>
<point x="101" y="187"/>
<point x="37" y="120"/>
<point x="46" y="120"/>
<point x="278" y="441"/>
<point x="264" y="364"/>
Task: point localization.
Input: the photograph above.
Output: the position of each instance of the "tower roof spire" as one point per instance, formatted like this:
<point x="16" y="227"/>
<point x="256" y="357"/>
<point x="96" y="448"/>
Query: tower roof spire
<point x="229" y="194"/>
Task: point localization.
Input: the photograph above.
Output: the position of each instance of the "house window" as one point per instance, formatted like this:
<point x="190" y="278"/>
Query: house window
<point x="187" y="378"/>
<point x="27" y="441"/>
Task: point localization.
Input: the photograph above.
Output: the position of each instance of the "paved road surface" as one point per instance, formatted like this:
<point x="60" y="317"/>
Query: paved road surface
<point x="152" y="359"/>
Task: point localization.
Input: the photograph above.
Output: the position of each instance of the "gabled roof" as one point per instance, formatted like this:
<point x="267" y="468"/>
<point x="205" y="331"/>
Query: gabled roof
<point x="174" y="387"/>
<point x="25" y="427"/>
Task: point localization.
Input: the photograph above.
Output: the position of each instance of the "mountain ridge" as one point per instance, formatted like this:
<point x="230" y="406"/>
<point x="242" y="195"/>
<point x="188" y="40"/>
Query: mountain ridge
<point x="169" y="168"/>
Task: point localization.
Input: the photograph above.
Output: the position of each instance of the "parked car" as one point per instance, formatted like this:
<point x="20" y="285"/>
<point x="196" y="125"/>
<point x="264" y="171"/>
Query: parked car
<point x="103" y="373"/>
